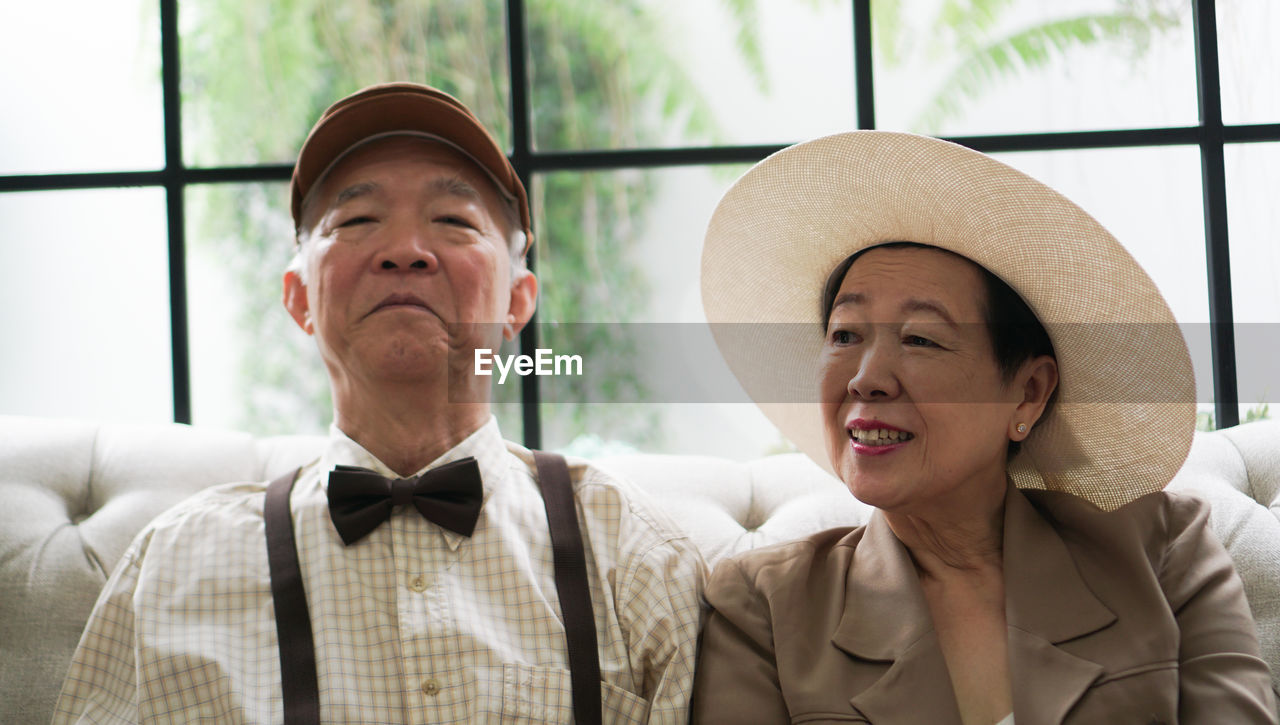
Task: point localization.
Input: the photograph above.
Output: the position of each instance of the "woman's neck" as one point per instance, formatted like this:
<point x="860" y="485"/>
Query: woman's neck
<point x="958" y="550"/>
<point x="953" y="538"/>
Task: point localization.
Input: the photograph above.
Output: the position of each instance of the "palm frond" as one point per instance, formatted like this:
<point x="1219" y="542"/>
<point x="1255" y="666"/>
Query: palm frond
<point x="888" y="31"/>
<point x="966" y="21"/>
<point x="1028" y="49"/>
<point x="745" y="16"/>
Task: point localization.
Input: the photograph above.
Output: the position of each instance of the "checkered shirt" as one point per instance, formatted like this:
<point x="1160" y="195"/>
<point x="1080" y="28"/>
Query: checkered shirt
<point x="412" y="623"/>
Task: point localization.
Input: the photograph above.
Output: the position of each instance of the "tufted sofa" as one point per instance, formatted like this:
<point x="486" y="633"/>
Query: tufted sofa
<point x="75" y="493"/>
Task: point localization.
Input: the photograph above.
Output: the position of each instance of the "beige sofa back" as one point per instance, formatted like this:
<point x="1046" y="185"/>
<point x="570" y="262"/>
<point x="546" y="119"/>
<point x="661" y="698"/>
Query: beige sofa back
<point x="75" y="493"/>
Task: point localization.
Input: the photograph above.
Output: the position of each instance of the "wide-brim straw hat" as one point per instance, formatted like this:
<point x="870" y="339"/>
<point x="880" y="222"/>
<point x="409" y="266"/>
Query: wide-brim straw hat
<point x="1124" y="416"/>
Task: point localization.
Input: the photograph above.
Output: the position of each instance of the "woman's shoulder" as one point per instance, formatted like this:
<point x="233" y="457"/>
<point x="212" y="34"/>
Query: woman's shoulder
<point x="817" y="557"/>
<point x="1157" y="507"/>
<point x="1153" y="522"/>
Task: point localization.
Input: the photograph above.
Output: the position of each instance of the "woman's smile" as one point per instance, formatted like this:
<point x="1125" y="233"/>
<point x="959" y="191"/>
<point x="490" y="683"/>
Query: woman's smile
<point x="875" y="438"/>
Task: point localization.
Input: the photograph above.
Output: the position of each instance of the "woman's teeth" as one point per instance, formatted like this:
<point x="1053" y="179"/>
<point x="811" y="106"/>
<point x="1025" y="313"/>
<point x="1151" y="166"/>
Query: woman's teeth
<point x="880" y="436"/>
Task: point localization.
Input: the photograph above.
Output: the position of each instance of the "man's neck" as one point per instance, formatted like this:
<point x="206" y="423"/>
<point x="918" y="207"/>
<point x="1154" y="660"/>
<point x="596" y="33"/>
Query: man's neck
<point x="407" y="431"/>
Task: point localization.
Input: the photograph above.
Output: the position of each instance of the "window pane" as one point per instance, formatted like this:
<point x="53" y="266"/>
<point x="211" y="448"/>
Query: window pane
<point x="688" y="72"/>
<point x="951" y="68"/>
<point x="258" y="74"/>
<point x="1253" y="185"/>
<point x="84" y="283"/>
<point x="1249" y="63"/>
<point x="619" y="254"/>
<point x="1150" y="199"/>
<point x="82" y="87"/>
<point x="252" y="368"/>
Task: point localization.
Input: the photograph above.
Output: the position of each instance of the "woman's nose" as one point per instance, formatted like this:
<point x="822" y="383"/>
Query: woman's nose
<point x="875" y="377"/>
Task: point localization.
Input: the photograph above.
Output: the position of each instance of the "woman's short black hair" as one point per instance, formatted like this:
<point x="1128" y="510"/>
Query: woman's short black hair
<point x="1016" y="334"/>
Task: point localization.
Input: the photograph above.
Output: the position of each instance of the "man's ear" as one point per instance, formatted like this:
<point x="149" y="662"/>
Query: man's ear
<point x="295" y="300"/>
<point x="524" y="298"/>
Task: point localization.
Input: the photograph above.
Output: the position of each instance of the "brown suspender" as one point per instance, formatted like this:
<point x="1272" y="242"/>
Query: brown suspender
<point x="570" y="564"/>
<point x="299" y="681"/>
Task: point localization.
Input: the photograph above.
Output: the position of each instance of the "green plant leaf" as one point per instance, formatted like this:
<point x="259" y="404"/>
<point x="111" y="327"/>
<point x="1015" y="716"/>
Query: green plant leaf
<point x="1027" y="49"/>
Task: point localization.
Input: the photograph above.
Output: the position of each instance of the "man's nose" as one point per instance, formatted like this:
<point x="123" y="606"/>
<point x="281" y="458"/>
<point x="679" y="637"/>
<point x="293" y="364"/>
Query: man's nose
<point x="875" y="377"/>
<point x="408" y="248"/>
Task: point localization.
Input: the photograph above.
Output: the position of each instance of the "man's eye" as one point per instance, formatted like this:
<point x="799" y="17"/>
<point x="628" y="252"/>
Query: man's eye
<point x="842" y="337"/>
<point x="356" y="220"/>
<point x="917" y="341"/>
<point x="456" y="221"/>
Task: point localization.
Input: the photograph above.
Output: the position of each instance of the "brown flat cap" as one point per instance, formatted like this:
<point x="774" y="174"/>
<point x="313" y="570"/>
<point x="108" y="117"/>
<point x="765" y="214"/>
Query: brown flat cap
<point x="411" y="108"/>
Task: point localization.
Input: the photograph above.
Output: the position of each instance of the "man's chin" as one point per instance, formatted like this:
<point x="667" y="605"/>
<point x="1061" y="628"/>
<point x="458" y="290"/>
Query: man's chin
<point x="406" y="361"/>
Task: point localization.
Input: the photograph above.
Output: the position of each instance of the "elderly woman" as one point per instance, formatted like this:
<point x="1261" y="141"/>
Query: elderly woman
<point x="1000" y="380"/>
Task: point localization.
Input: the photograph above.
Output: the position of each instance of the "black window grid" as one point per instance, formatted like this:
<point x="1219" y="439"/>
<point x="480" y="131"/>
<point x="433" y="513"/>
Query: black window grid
<point x="1210" y="136"/>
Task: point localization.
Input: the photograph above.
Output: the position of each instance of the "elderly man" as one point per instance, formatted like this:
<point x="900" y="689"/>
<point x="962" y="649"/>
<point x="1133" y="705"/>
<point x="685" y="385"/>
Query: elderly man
<point x="325" y="595"/>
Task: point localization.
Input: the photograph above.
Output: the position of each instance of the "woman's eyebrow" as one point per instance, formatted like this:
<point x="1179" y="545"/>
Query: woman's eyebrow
<point x="913" y="304"/>
<point x="849" y="298"/>
<point x="919" y="305"/>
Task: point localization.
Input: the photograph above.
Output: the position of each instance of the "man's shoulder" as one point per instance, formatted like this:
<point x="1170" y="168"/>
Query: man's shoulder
<point x="606" y="496"/>
<point x="213" y="511"/>
<point x="238" y="497"/>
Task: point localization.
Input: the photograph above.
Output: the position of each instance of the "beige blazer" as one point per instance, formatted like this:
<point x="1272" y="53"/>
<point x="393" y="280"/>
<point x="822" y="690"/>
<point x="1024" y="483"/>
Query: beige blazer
<point x="1132" y="616"/>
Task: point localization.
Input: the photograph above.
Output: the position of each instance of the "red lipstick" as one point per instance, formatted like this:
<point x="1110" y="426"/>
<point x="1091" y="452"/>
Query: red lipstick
<point x="885" y="439"/>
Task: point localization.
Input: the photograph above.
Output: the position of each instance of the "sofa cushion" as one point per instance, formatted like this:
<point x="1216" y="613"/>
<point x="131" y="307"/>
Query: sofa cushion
<point x="1237" y="471"/>
<point x="75" y="494"/>
<point x="729" y="507"/>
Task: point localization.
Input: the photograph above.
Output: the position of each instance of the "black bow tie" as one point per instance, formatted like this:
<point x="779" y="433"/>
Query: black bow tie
<point x="360" y="499"/>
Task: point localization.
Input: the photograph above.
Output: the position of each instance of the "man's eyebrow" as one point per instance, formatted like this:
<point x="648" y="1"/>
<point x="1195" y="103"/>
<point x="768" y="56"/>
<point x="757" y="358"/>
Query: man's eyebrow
<point x="354" y="191"/>
<point x="913" y="304"/>
<point x="456" y="186"/>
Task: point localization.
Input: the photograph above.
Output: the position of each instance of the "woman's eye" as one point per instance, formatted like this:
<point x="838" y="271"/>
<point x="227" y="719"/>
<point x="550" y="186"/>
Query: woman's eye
<point x="842" y="337"/>
<point x="917" y="341"/>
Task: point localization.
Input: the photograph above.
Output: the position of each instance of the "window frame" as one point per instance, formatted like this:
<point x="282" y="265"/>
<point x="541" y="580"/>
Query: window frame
<point x="1210" y="136"/>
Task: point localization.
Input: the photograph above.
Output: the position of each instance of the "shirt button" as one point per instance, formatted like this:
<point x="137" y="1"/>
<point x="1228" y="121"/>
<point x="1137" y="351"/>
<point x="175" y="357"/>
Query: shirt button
<point x="418" y="583"/>
<point x="431" y="687"/>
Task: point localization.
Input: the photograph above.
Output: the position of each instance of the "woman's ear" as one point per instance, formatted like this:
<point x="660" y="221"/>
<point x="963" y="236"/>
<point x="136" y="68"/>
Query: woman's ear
<point x="1037" y="380"/>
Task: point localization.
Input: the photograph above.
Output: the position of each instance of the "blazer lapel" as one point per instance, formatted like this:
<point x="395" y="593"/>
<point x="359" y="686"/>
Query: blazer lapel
<point x="915" y="691"/>
<point x="1046" y="603"/>
<point x="886" y="619"/>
